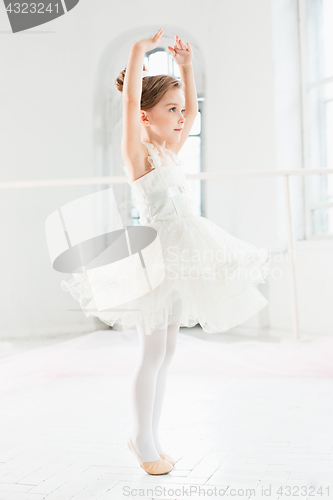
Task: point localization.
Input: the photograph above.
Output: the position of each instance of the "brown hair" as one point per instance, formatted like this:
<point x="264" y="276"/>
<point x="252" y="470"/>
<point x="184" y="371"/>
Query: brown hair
<point x="153" y="87"/>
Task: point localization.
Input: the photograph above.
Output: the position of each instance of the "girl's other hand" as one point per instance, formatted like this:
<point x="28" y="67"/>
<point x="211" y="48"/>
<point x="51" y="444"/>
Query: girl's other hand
<point x="181" y="52"/>
<point x="150" y="43"/>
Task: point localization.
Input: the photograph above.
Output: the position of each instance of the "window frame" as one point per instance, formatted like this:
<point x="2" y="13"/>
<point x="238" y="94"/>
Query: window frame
<point x="307" y="86"/>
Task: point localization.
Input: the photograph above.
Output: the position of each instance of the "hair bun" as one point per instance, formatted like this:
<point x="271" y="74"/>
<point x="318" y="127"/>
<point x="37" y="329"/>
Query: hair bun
<point x="119" y="82"/>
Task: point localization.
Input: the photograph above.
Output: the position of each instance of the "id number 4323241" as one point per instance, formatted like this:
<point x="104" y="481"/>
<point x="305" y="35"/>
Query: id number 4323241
<point x="32" y="8"/>
<point x="304" y="491"/>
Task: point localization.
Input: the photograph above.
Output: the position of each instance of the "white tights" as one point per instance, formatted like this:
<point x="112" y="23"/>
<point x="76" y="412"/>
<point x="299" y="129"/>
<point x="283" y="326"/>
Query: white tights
<point x="149" y="385"/>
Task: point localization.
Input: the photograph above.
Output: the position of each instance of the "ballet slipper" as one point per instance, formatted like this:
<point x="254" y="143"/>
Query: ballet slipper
<point x="169" y="459"/>
<point x="160" y="466"/>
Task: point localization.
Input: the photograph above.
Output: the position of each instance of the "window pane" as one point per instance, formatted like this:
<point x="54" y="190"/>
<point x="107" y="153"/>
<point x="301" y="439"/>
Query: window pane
<point x="158" y="63"/>
<point x="316" y="127"/>
<point x="328" y="36"/>
<point x="176" y="71"/>
<point x="329" y="187"/>
<point x="322" y="221"/>
<point x="196" y="127"/>
<point x="320" y="148"/>
<point x="319" y="39"/>
<point x="329" y="133"/>
<point x="329" y="147"/>
<point x="190" y="155"/>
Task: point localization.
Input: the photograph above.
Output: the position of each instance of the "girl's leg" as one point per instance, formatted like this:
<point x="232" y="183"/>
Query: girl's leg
<point x="172" y="335"/>
<point x="151" y="355"/>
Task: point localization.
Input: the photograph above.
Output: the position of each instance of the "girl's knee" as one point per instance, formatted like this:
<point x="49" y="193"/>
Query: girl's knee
<point x="153" y="349"/>
<point x="171" y="343"/>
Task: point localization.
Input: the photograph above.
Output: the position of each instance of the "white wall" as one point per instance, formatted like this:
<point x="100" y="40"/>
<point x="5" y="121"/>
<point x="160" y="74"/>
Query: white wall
<point x="313" y="259"/>
<point x="54" y="79"/>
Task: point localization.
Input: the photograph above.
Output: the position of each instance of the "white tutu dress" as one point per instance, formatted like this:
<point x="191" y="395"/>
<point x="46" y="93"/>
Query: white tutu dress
<point x="213" y="273"/>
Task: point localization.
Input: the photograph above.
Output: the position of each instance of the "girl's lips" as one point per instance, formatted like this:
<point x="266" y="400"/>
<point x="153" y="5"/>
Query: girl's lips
<point x="178" y="129"/>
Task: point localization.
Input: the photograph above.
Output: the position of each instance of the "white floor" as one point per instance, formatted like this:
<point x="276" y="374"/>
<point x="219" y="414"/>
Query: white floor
<point x="239" y="414"/>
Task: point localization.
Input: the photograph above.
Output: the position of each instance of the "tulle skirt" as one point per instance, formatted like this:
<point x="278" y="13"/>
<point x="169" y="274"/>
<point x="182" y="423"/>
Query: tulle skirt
<point x="211" y="272"/>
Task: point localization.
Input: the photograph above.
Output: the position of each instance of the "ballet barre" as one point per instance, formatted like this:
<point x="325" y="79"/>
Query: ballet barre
<point x="88" y="181"/>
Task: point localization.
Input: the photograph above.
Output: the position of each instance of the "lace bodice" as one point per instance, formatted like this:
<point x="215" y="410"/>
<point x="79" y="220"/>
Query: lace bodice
<point x="162" y="193"/>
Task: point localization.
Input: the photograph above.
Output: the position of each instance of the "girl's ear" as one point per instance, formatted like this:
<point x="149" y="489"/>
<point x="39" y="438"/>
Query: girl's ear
<point x="144" y="118"/>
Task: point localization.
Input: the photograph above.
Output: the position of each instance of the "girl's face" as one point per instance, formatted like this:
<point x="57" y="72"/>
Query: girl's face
<point x="165" y="117"/>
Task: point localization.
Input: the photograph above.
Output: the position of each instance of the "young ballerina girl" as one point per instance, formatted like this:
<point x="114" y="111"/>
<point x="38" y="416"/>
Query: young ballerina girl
<point x="210" y="276"/>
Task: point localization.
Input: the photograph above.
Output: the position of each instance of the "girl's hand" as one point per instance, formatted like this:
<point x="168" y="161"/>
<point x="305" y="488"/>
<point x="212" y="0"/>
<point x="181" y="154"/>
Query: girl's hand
<point x="150" y="43"/>
<point x="181" y="52"/>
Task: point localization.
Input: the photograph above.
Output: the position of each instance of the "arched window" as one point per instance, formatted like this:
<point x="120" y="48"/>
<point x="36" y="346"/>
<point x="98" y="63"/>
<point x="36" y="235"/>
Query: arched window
<point x="108" y="119"/>
<point x="159" y="61"/>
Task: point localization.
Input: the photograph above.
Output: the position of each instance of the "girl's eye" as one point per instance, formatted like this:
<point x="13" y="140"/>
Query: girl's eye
<point x="183" y="110"/>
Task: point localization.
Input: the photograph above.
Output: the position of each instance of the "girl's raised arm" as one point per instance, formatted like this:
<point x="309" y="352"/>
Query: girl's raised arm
<point x="133" y="78"/>
<point x="131" y="145"/>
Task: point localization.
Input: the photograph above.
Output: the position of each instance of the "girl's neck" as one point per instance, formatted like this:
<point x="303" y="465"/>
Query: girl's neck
<point x="159" y="145"/>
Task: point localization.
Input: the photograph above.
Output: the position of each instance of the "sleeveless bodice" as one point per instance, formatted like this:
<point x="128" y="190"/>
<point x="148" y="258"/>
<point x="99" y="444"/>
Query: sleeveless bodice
<point x="163" y="193"/>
